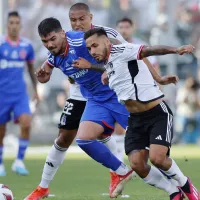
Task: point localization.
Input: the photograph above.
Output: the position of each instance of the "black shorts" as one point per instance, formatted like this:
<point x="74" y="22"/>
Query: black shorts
<point x="71" y="115"/>
<point x="154" y="126"/>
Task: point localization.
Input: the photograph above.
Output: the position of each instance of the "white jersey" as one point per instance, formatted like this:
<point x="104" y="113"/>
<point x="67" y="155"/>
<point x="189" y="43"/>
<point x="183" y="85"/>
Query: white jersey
<point x="75" y="92"/>
<point x="128" y="76"/>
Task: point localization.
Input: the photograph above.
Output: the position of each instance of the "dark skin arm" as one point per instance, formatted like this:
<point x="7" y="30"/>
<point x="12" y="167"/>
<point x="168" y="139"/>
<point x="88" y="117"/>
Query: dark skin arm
<point x="163" y="50"/>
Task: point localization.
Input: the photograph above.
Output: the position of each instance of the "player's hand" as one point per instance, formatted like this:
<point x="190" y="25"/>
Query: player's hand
<point x="42" y="75"/>
<point x="166" y="80"/>
<point x="71" y="80"/>
<point x="81" y="63"/>
<point x="36" y="98"/>
<point x="185" y="49"/>
<point x="104" y="78"/>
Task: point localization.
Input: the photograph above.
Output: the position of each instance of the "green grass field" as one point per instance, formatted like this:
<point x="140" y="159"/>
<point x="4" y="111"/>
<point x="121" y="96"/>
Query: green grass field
<point x="80" y="178"/>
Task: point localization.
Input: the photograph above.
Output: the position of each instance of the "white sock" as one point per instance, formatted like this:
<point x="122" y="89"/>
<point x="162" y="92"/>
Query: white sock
<point x="175" y="173"/>
<point x="54" y="159"/>
<point x="120" y="146"/>
<point x="111" y="144"/>
<point x="122" y="170"/>
<point x="156" y="178"/>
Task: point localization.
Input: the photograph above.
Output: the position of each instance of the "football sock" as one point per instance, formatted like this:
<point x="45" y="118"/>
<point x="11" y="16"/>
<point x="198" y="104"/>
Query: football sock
<point x="23" y="144"/>
<point x="175" y="173"/>
<point x="120" y="146"/>
<point x="173" y="181"/>
<point x="111" y="144"/>
<point x="101" y="154"/>
<point x="54" y="159"/>
<point x="156" y="178"/>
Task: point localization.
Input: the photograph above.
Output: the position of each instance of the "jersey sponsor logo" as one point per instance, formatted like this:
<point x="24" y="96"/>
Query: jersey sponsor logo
<point x="79" y="74"/>
<point x="11" y="64"/>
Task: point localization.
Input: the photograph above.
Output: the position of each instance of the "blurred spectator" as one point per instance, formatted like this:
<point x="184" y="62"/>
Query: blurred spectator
<point x="127" y="29"/>
<point x="188" y="107"/>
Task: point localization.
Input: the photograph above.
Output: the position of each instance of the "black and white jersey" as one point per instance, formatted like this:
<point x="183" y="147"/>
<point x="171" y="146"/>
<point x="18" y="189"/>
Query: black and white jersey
<point x="128" y="76"/>
<point x="75" y="92"/>
<point x="112" y="33"/>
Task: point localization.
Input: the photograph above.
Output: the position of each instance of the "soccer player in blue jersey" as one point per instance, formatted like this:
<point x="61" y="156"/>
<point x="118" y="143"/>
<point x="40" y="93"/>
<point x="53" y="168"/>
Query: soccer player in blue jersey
<point x="14" y="101"/>
<point x="102" y="108"/>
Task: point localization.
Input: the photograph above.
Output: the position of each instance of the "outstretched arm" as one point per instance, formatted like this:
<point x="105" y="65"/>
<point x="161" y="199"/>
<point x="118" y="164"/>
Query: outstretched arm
<point x="163" y="50"/>
<point x="82" y="63"/>
<point x="163" y="80"/>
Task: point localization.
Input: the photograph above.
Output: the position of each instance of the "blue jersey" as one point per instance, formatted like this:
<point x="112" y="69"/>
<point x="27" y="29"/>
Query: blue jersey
<point x="89" y="80"/>
<point x="13" y="56"/>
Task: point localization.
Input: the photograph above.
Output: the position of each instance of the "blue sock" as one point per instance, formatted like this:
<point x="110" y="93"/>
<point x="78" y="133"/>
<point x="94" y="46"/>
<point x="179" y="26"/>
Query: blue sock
<point x="23" y="144"/>
<point x="100" y="153"/>
<point x="1" y="155"/>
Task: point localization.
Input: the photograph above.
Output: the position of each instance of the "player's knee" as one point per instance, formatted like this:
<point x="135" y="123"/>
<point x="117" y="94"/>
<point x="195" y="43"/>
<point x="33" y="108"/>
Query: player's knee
<point x="65" y="138"/>
<point x="157" y="160"/>
<point x="25" y="122"/>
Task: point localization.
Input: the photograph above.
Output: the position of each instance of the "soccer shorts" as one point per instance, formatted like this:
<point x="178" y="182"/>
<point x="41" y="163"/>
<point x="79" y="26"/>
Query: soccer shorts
<point x="13" y="106"/>
<point x="71" y="115"/>
<point x="106" y="114"/>
<point x="154" y="126"/>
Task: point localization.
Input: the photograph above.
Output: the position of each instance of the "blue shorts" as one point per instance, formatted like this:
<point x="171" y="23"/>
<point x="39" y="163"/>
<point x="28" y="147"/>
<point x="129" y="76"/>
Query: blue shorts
<point x="106" y="114"/>
<point x="13" y="106"/>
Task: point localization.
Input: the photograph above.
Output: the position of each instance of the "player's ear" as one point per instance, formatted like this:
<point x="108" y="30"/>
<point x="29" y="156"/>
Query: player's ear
<point x="63" y="33"/>
<point x="91" y="17"/>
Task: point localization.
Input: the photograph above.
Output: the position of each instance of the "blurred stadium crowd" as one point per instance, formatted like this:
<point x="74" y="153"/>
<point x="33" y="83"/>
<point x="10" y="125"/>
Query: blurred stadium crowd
<point x="168" y="22"/>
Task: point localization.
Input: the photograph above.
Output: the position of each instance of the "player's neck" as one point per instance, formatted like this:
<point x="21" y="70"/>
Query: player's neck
<point x="130" y="40"/>
<point x="65" y="48"/>
<point x="13" y="38"/>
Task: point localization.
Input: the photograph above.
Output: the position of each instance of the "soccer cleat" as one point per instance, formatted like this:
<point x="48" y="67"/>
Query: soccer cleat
<point x="2" y="170"/>
<point x="38" y="193"/>
<point x="190" y="191"/>
<point x="177" y="195"/>
<point x="118" y="182"/>
<point x="19" y="168"/>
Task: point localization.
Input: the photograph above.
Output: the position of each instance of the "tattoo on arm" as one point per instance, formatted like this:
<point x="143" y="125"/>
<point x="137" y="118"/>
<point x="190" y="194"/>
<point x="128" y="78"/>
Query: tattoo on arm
<point x="98" y="67"/>
<point x="157" y="50"/>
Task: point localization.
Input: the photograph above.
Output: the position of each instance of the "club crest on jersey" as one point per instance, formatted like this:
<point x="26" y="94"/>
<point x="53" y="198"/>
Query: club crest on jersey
<point x="110" y="65"/>
<point x="22" y="54"/>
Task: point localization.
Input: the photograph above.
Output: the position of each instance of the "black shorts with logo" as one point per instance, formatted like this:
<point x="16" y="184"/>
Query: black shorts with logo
<point x="154" y="126"/>
<point x="71" y="115"/>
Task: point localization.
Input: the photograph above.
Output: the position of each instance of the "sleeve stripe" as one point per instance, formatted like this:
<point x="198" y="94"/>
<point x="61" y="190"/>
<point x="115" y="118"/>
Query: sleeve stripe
<point x="50" y="65"/>
<point x="139" y="52"/>
<point x="112" y="33"/>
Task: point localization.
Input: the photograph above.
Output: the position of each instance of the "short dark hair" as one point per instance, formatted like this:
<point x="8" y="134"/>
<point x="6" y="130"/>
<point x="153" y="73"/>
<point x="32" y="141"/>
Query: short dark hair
<point x="93" y="31"/>
<point x="125" y="19"/>
<point x="49" y="25"/>
<point x="80" y="6"/>
<point x="13" y="14"/>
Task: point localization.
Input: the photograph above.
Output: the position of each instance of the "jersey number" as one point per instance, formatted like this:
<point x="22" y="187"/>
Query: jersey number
<point x="68" y="107"/>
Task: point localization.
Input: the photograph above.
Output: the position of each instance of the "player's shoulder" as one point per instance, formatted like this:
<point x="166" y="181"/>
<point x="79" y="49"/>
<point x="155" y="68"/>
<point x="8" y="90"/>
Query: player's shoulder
<point x="120" y="48"/>
<point x="74" y="35"/>
<point x="107" y="29"/>
<point x="24" y="42"/>
<point x="2" y="39"/>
